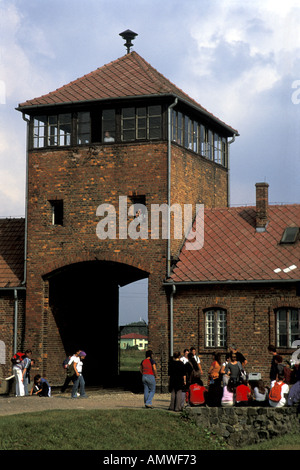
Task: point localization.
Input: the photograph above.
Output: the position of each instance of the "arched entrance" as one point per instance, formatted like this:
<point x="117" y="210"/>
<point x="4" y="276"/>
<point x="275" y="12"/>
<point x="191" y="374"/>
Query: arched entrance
<point x="84" y="303"/>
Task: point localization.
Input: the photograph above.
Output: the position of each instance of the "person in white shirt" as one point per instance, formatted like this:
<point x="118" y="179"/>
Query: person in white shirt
<point x="184" y="358"/>
<point x="78" y="381"/>
<point x="197" y="359"/>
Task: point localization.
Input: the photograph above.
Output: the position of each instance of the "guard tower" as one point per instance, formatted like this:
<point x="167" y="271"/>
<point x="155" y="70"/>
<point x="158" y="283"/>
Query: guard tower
<point x="119" y="139"/>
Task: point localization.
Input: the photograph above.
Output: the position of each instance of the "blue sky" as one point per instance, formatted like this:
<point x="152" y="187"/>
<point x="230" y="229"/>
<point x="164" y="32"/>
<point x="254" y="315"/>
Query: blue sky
<point x="240" y="60"/>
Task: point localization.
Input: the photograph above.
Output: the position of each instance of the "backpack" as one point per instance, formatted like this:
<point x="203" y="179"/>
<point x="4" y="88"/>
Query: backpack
<point x="70" y="370"/>
<point x="66" y="362"/>
<point x="17" y="358"/>
<point x="275" y="392"/>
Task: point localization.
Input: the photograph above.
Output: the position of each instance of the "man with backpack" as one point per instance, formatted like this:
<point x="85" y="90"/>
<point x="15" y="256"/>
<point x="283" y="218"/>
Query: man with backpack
<point x="278" y="392"/>
<point x="78" y="381"/>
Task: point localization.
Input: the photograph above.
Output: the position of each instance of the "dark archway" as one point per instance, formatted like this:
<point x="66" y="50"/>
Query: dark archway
<point x="84" y="301"/>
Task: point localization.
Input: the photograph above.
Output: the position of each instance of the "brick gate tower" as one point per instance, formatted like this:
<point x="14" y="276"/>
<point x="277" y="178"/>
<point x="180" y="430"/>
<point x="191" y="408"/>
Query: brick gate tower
<point x="119" y="139"/>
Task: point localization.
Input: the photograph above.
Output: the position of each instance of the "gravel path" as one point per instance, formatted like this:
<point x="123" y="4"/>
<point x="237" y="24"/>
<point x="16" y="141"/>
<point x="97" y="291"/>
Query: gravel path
<point x="97" y="399"/>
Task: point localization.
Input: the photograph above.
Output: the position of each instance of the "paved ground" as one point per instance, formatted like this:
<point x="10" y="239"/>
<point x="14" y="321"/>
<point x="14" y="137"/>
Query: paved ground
<point x="97" y="399"/>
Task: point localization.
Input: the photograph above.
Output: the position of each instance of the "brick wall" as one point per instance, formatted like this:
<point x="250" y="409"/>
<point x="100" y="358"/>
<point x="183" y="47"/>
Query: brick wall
<point x="250" y="320"/>
<point x="84" y="178"/>
<point x="196" y="180"/>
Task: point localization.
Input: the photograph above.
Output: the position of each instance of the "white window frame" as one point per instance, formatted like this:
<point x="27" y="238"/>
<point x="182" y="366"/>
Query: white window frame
<point x="215" y="328"/>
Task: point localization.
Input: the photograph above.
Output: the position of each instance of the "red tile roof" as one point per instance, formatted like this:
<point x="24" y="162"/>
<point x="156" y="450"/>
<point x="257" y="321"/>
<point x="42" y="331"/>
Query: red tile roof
<point x="11" y="252"/>
<point x="129" y="76"/>
<point x="234" y="251"/>
<point x="133" y="336"/>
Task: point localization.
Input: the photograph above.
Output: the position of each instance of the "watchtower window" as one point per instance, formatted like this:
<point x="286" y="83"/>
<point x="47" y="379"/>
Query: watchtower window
<point x="191" y="140"/>
<point x="39" y="131"/>
<point x="200" y="139"/>
<point x="108" y="125"/>
<point x="54" y="130"/>
<point x="57" y="212"/>
<point x="141" y="123"/>
<point x="177" y="127"/>
<point x="83" y="128"/>
<point x="59" y="129"/>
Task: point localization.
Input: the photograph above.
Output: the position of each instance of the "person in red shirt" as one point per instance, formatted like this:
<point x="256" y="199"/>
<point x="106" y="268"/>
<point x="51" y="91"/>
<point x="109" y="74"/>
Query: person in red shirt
<point x="149" y="373"/>
<point x="242" y="394"/>
<point x="197" y="393"/>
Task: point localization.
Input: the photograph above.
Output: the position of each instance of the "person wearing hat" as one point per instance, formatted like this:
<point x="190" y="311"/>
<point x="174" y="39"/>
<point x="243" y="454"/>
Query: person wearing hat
<point x="78" y="381"/>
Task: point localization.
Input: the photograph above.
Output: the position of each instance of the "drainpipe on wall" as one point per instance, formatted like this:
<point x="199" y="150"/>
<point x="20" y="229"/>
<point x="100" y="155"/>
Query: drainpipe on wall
<point x="169" y="188"/>
<point x="173" y="292"/>
<point x="15" y="339"/>
<point x="26" y="199"/>
<point x="15" y="321"/>
<point x="16" y="302"/>
<point x="228" y="170"/>
<point x="169" y="223"/>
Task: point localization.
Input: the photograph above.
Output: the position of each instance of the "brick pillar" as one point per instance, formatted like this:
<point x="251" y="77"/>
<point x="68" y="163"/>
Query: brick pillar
<point x="262" y="202"/>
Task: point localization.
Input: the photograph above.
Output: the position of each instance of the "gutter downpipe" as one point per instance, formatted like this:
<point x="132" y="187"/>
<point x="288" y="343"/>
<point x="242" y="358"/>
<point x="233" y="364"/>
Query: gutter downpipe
<point x="169" y="187"/>
<point x="228" y="170"/>
<point x="173" y="292"/>
<point x="15" y="321"/>
<point x="15" y="339"/>
<point x="15" y="291"/>
<point x="169" y="224"/>
<point x="26" y="200"/>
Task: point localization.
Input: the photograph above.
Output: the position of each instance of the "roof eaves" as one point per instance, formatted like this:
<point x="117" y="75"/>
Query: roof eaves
<point x="228" y="282"/>
<point x="95" y="100"/>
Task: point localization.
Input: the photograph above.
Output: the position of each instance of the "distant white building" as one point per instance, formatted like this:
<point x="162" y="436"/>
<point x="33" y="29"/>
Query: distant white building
<point x="133" y="339"/>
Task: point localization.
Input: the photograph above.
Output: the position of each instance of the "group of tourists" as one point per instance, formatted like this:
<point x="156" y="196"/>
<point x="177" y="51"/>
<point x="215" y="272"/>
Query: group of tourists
<point x="22" y="363"/>
<point x="226" y="384"/>
<point x="21" y="366"/>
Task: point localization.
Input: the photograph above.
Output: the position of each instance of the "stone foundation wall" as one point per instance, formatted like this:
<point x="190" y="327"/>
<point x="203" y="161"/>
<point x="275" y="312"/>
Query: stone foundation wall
<point x="248" y="425"/>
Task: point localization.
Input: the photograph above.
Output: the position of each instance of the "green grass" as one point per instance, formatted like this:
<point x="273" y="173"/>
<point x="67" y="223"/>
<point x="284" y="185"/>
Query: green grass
<point x="285" y="442"/>
<point x="130" y="359"/>
<point x="116" y="430"/>
<point x="102" y="430"/>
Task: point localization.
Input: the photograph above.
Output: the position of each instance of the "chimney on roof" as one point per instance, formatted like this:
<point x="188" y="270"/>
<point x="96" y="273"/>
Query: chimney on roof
<point x="128" y="36"/>
<point x="262" y="203"/>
